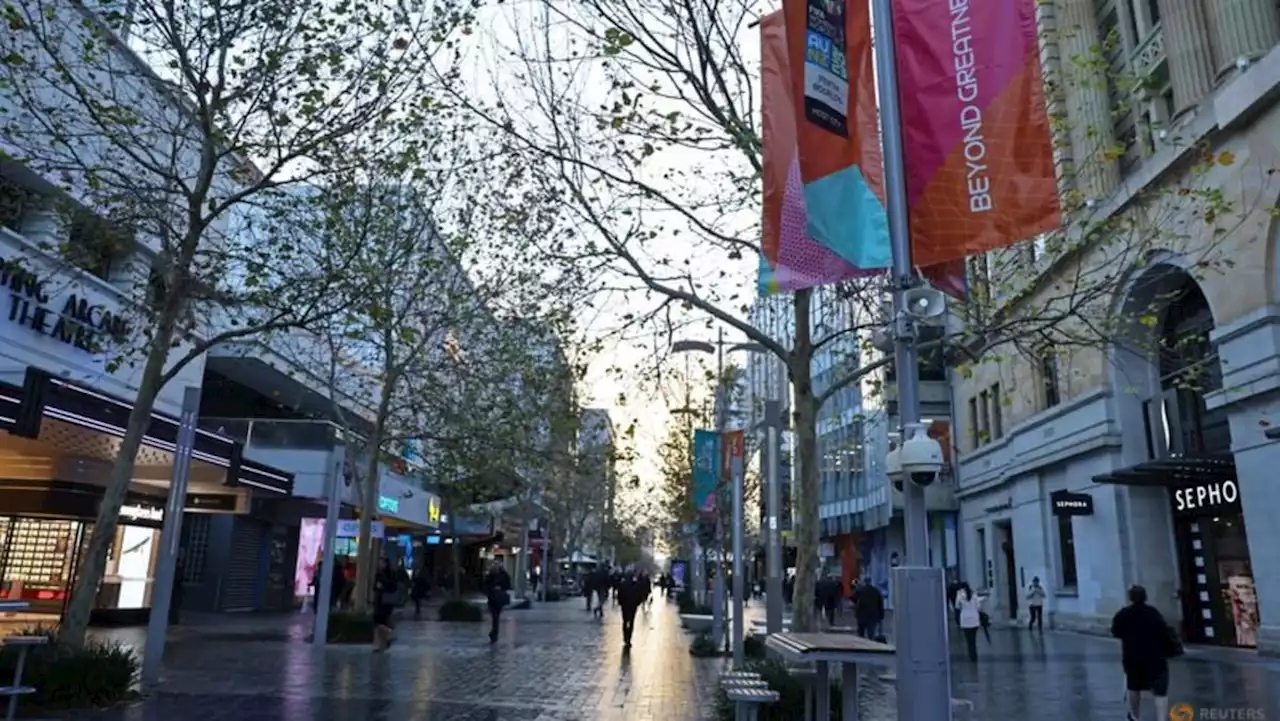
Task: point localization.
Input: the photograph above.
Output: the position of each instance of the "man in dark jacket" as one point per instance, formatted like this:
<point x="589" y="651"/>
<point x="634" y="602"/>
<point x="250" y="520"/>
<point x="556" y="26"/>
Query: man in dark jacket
<point x="631" y="593"/>
<point x="497" y="589"/>
<point x="868" y="608"/>
<point x="1146" y="644"/>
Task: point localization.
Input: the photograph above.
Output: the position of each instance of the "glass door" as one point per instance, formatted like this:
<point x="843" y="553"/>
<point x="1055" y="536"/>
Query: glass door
<point x="1231" y="574"/>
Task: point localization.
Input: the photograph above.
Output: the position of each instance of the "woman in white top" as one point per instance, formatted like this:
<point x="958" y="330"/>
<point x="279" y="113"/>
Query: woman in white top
<point x="969" y="605"/>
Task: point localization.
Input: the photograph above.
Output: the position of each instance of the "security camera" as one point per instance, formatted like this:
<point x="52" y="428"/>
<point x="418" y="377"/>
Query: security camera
<point x="921" y="459"/>
<point x="893" y="462"/>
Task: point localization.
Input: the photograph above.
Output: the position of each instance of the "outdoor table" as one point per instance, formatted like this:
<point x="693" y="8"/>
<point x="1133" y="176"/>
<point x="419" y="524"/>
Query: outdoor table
<point x="823" y="649"/>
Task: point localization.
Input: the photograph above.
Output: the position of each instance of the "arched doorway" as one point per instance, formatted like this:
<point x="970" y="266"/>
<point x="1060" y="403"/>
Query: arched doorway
<point x="1188" y="452"/>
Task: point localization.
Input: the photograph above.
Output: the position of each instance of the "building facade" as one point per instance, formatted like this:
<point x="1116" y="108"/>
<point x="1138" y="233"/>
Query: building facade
<point x="1144" y="458"/>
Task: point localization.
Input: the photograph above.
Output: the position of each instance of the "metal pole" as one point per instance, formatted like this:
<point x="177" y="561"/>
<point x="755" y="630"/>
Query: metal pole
<point x="773" y="509"/>
<point x="324" y="590"/>
<point x="920" y="635"/>
<point x="170" y="539"/>
<point x="738" y="581"/>
<point x="717" y="617"/>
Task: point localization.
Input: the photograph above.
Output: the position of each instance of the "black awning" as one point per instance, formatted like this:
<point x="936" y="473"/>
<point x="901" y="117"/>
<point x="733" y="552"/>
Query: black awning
<point x="1173" y="472"/>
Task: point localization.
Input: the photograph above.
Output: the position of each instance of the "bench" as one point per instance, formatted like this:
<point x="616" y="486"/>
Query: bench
<point x="16" y="690"/>
<point x="809" y="677"/>
<point x="731" y="675"/>
<point x="747" y="701"/>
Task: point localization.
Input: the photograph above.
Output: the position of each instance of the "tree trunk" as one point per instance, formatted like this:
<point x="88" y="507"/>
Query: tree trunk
<point x="75" y="622"/>
<point x="805" y="461"/>
<point x="365" y="560"/>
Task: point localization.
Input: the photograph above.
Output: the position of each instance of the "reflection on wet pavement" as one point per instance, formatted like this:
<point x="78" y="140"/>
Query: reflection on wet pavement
<point x="554" y="663"/>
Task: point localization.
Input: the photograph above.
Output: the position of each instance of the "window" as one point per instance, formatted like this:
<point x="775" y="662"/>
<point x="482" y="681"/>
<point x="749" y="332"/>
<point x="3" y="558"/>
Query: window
<point x="984" y="417"/>
<point x="1066" y="553"/>
<point x="997" y="416"/>
<point x="97" y="246"/>
<point x="983" y="562"/>
<point x="13" y="202"/>
<point x="1049" y="380"/>
<point x="975" y="436"/>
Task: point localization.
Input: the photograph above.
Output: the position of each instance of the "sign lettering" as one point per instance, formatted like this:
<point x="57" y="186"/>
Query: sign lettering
<point x="79" y="323"/>
<point x="1206" y="496"/>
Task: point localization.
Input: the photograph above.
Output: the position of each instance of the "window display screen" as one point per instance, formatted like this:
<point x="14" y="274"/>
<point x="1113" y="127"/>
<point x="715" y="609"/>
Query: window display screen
<point x="37" y="558"/>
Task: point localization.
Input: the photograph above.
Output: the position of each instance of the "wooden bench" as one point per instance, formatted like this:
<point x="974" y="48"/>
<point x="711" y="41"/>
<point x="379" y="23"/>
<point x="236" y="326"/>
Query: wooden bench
<point x="16" y="690"/>
<point x="747" y="701"/>
<point x="731" y="675"/>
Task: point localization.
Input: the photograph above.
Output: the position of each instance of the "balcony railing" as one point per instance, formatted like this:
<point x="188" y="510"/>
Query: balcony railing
<point x="271" y="433"/>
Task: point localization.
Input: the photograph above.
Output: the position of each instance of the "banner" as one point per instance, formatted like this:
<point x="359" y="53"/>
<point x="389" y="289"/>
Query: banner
<point x="706" y="470"/>
<point x="832" y="81"/>
<point x="979" y="153"/>
<point x="791" y="258"/>
<point x="733" y="452"/>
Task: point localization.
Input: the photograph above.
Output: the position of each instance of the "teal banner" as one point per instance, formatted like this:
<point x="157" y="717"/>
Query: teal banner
<point x="706" y="470"/>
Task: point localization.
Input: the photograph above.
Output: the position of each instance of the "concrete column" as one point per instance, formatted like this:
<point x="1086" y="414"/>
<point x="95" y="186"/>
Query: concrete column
<point x="1188" y="46"/>
<point x="1088" y="105"/>
<point x="1241" y="29"/>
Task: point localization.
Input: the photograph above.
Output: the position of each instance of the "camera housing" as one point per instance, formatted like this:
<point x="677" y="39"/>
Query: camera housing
<point x="893" y="465"/>
<point x="921" y="457"/>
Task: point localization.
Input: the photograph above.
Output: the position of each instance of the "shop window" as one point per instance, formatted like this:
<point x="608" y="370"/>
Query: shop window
<point x="1066" y="553"/>
<point x="997" y="414"/>
<point x="1049" y="379"/>
<point x="984" y="562"/>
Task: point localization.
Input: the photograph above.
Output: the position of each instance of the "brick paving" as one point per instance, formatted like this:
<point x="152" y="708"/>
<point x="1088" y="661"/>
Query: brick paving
<point x="554" y="663"/>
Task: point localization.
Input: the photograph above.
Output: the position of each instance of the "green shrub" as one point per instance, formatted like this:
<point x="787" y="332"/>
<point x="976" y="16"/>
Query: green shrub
<point x="790" y="706"/>
<point x="350" y="627"/>
<point x="753" y="646"/>
<point x="459" y="610"/>
<point x="704" y="646"/>
<point x="98" y="674"/>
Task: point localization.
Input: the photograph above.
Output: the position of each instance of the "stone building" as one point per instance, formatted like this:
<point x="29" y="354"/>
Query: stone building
<point x="1095" y="466"/>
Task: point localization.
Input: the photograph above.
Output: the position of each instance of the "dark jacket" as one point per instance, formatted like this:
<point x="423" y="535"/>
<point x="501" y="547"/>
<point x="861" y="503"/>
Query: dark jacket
<point x="1145" y="637"/>
<point x="631" y="592"/>
<point x="868" y="603"/>
<point x="421" y="585"/>
<point x="385" y="586"/>
<point x="497" y="583"/>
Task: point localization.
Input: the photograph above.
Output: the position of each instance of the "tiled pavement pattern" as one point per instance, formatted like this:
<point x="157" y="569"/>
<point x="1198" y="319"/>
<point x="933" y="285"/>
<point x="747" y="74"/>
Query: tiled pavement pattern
<point x="554" y="663"/>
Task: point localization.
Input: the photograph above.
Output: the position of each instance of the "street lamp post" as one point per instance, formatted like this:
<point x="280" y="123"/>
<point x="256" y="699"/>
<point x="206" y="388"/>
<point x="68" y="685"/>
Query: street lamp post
<point x="923" y="662"/>
<point x="719" y="349"/>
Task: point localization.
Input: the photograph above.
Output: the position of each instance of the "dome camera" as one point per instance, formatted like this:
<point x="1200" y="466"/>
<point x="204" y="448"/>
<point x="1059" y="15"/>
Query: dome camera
<point x="893" y="463"/>
<point x="921" y="457"/>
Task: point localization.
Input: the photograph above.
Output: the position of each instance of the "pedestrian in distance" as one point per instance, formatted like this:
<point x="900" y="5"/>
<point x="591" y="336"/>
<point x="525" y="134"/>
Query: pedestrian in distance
<point x="868" y="609"/>
<point x="497" y="592"/>
<point x="631" y="593"/>
<point x="386" y="596"/>
<point x="969" y="604"/>
<point x="603" y="584"/>
<point x="589" y="589"/>
<point x="1147" y="642"/>
<point x="1035" y="603"/>
<point x="420" y="590"/>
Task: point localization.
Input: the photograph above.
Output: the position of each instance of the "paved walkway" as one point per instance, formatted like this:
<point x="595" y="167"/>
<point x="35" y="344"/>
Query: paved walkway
<point x="554" y="663"/>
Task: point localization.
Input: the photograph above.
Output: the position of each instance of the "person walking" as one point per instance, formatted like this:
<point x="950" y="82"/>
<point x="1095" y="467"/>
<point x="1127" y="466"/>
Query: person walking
<point x="386" y="596"/>
<point x="589" y="588"/>
<point x="1035" y="602"/>
<point x="868" y="609"/>
<point x="969" y="605"/>
<point x="419" y="591"/>
<point x="1147" y="642"/>
<point x="630" y="595"/>
<point x="497" y="591"/>
<point x="603" y="585"/>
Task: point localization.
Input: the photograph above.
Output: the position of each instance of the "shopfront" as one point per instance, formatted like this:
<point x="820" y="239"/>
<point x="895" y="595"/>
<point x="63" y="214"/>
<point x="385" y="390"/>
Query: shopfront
<point x="1218" y="599"/>
<point x="56" y="454"/>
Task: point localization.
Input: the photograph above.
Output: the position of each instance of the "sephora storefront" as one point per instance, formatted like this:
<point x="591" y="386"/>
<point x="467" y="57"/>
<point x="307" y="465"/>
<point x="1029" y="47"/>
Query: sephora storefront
<point x="1219" y="604"/>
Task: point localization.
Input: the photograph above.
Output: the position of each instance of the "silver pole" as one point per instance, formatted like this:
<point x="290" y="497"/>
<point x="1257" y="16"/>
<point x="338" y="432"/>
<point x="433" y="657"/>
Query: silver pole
<point x="717" y="617"/>
<point x="324" y="590"/>
<point x="922" y="659"/>
<point x="170" y="539"/>
<point x="773" y="509"/>
<point x="738" y="590"/>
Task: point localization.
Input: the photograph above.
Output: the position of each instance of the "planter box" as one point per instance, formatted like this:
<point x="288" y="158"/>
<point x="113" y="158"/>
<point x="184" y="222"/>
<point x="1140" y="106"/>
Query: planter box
<point x="697" y="623"/>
